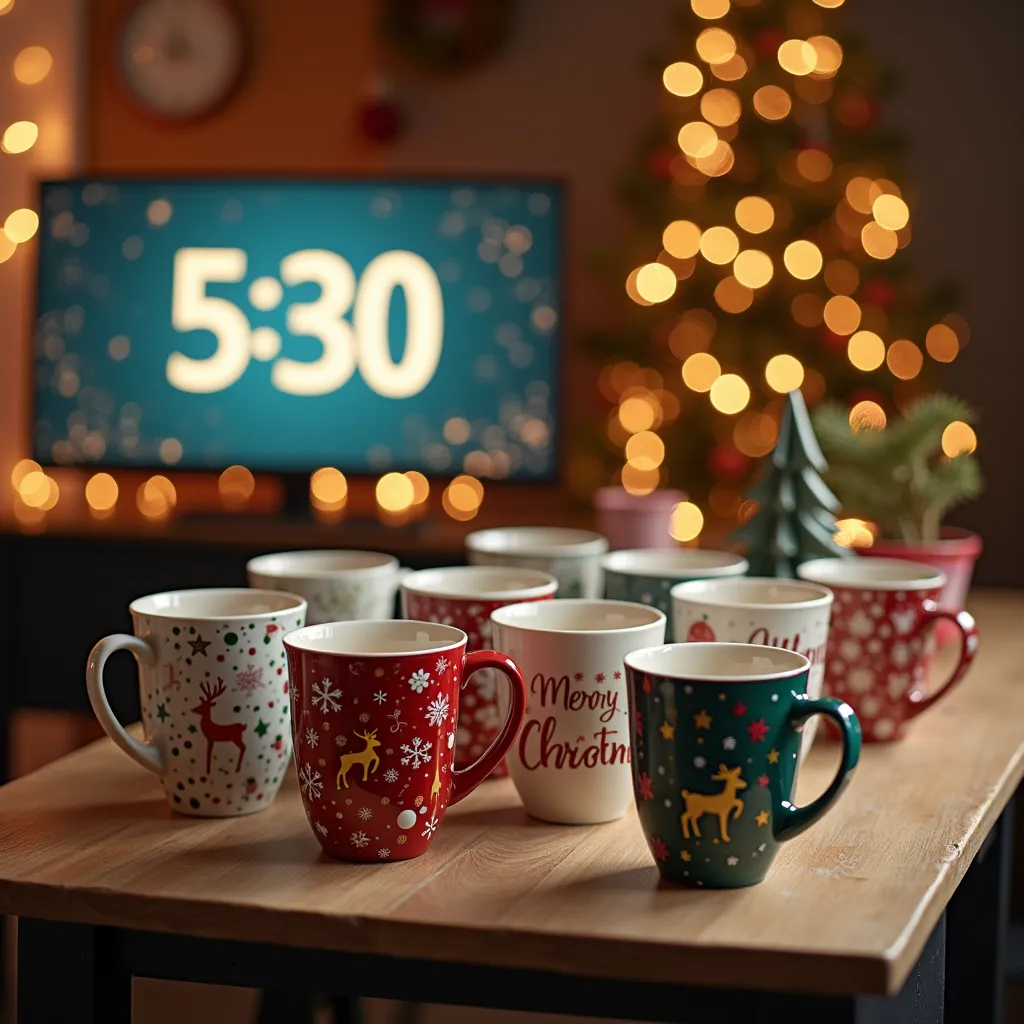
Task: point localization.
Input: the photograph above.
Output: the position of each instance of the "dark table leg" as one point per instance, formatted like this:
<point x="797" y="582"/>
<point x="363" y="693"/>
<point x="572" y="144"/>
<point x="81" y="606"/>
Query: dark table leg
<point x="978" y="918"/>
<point x="68" y="972"/>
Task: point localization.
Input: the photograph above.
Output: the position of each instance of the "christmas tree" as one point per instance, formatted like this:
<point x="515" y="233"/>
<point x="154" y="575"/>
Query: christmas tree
<point x="768" y="253"/>
<point x="792" y="517"/>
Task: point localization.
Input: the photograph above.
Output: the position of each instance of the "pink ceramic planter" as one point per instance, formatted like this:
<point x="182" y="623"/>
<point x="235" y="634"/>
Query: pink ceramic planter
<point x="634" y="520"/>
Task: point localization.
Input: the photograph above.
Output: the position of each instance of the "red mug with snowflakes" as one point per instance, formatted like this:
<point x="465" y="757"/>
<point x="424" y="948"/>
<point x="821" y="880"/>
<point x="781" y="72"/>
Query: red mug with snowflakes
<point x="464" y="596"/>
<point x="879" y="644"/>
<point x="375" y="707"/>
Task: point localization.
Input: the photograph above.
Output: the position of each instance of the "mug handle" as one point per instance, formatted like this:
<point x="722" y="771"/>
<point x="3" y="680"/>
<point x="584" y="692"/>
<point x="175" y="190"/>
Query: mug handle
<point x="918" y="700"/>
<point x="145" y="654"/>
<point x="795" y="819"/>
<point x="465" y="780"/>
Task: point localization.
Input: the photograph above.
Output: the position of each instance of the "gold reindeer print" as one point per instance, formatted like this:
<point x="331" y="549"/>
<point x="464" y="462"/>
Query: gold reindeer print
<point x="367" y="757"/>
<point x="721" y="804"/>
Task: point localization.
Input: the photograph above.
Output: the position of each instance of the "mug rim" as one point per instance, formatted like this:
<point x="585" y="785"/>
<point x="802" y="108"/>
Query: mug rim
<point x="264" y="565"/>
<point x="505" y="617"/>
<point x="920" y="575"/>
<point x="460" y="638"/>
<point x="736" y="566"/>
<point x="546" y="584"/>
<point x="575" y="543"/>
<point x="822" y="600"/>
<point x="289" y="602"/>
<point x="803" y="663"/>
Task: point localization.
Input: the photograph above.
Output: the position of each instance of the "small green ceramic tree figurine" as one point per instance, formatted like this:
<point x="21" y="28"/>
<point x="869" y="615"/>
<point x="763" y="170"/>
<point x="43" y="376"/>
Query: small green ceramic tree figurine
<point x="794" y="518"/>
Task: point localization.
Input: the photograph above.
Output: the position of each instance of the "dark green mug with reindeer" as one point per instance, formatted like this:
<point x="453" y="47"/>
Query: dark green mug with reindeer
<point x="715" y="732"/>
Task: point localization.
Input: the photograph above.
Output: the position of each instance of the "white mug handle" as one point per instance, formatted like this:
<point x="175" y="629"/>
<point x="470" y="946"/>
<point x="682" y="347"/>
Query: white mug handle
<point x="145" y="753"/>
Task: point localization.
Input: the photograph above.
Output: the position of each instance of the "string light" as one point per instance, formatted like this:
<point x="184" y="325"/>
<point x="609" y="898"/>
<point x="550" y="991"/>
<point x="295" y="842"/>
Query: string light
<point x="697" y="139"/>
<point x="101" y="492"/>
<point x="636" y="413"/>
<point x="753" y="268"/>
<point x="784" y="373"/>
<point x="6" y="6"/>
<point x="904" y="359"/>
<point x="632" y="291"/>
<point x="22" y="468"/>
<point x="420" y="486"/>
<point x="802" y="259"/>
<point x="236" y="485"/>
<point x="730" y="394"/>
<point x="731" y="70"/>
<point x="328" y="489"/>
<point x="891" y="212"/>
<point x="753" y="214"/>
<point x="958" y="439"/>
<point x="156" y="497"/>
<point x="655" y="282"/>
<point x="853" y="533"/>
<point x="772" y="102"/>
<point x="866" y="350"/>
<point x="700" y="371"/>
<point x="721" y="107"/>
<point x="867" y="415"/>
<point x="645" y="450"/>
<point x="797" y="57"/>
<point x="830" y="4"/>
<point x="7" y="248"/>
<point x="21" y="225"/>
<point x="20" y="137"/>
<point x="639" y="481"/>
<point x="32" y="65"/>
<point x="683" y="79"/>
<point x="842" y="315"/>
<point x="686" y="521"/>
<point x="878" y="242"/>
<point x="710" y="10"/>
<point x="942" y="343"/>
<point x="681" y="239"/>
<point x="716" y="46"/>
<point x="828" y="55"/>
<point x="463" y="497"/>
<point x="814" y="164"/>
<point x="719" y="162"/>
<point x="732" y="296"/>
<point x="719" y="245"/>
<point x="861" y="193"/>
<point x="394" y="492"/>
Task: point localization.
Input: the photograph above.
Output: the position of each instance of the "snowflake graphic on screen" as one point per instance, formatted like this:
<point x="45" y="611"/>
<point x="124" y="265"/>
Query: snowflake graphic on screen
<point x="312" y="737"/>
<point x="325" y="698"/>
<point x="442" y="666"/>
<point x="437" y="710"/>
<point x="391" y="775"/>
<point x="417" y="753"/>
<point x="309" y="782"/>
<point x="419" y="680"/>
<point x="359" y="839"/>
<point x="365" y="814"/>
<point x="249" y="680"/>
<point x="430" y="827"/>
<point x="380" y="696"/>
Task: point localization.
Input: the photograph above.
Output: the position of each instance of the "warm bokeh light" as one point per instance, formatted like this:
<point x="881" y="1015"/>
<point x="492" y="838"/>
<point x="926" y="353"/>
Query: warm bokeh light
<point x="841" y="277"/>
<point x="22" y="468"/>
<point x="697" y="139"/>
<point x="829" y="3"/>
<point x="960" y="327"/>
<point x="828" y="55"/>
<point x="7" y="248"/>
<point x="700" y="371"/>
<point x="655" y="282"/>
<point x="797" y="56"/>
<point x="420" y="486"/>
<point x="755" y="434"/>
<point x="853" y="533"/>
<point x="639" y="481"/>
<point x="101" y="492"/>
<point x="772" y="102"/>
<point x="683" y="79"/>
<point x="867" y="416"/>
<point x="861" y="192"/>
<point x="753" y="268"/>
<point x="645" y="450"/>
<point x="942" y="343"/>
<point x="681" y="239"/>
<point x="807" y="309"/>
<point x="156" y="497"/>
<point x="732" y="296"/>
<point x="21" y="225"/>
<point x="721" y="107"/>
<point x="709" y="10"/>
<point x="159" y="212"/>
<point x="716" y="46"/>
<point x="731" y="70"/>
<point x="456" y="430"/>
<point x="32" y="65"/>
<point x="394" y="492"/>
<point x="236" y="485"/>
<point x="878" y="242"/>
<point x="6" y="6"/>
<point x="719" y="162"/>
<point x="866" y="350"/>
<point x="20" y="137"/>
<point x="842" y="315"/>
<point x="636" y="413"/>
<point x="35" y="489"/>
<point x="463" y="497"/>
<point x="631" y="289"/>
<point x="891" y="212"/>
<point x="904" y="359"/>
<point x="719" y="245"/>
<point x="802" y="259"/>
<point x="754" y="214"/>
<point x="784" y="373"/>
<point x="730" y="393"/>
<point x="814" y="164"/>
<point x="959" y="439"/>
<point x="686" y="521"/>
<point x="328" y="488"/>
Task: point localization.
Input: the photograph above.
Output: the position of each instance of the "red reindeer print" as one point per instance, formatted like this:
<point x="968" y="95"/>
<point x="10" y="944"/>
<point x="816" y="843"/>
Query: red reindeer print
<point x="213" y="731"/>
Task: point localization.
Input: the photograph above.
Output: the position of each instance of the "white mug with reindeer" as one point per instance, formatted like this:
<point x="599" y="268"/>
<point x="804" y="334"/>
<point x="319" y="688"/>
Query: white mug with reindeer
<point x="213" y="684"/>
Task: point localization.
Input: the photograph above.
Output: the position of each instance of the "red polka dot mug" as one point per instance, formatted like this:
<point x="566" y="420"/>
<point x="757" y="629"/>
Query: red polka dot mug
<point x="375" y="707"/>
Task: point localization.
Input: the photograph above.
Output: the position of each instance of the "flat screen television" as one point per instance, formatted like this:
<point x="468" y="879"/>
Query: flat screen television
<point x="287" y="325"/>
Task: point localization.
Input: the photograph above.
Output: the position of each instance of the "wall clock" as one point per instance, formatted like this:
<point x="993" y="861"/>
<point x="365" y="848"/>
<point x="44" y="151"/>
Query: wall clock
<point x="181" y="59"/>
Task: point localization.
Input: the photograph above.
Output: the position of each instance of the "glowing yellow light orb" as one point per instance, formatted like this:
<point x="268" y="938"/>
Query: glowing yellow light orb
<point x="21" y="225"/>
<point x="958" y="439"/>
<point x="891" y="212"/>
<point x="802" y="259"/>
<point x="719" y="245"/>
<point x="721" y="107"/>
<point x="828" y="55"/>
<point x="814" y="164"/>
<point x="681" y="239"/>
<point x="942" y="343"/>
<point x="394" y="492"/>
<point x="878" y="242"/>
<point x="636" y="413"/>
<point x="904" y="359"/>
<point x="101" y="492"/>
<point x="866" y="350"/>
<point x="730" y="394"/>
<point x="753" y="268"/>
<point x="716" y="46"/>
<point x="655" y="282"/>
<point x="328" y="487"/>
<point x="732" y="296"/>
<point x="32" y="65"/>
<point x="842" y="315"/>
<point x="709" y="10"/>
<point x="20" y="137"/>
<point x="645" y="450"/>
<point x="683" y="79"/>
<point x="754" y="214"/>
<point x="697" y="139"/>
<point x="797" y="56"/>
<point x="236" y="485"/>
<point x="867" y="416"/>
<point x="700" y="371"/>
<point x="772" y="102"/>
<point x="784" y="373"/>
<point x="686" y="521"/>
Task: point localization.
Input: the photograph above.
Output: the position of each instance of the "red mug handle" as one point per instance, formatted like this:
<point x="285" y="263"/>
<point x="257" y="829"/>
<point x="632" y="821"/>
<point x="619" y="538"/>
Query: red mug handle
<point x="464" y="781"/>
<point x="968" y="648"/>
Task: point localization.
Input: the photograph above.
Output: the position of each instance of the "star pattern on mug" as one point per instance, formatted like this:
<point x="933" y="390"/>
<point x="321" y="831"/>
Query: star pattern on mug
<point x="702" y="720"/>
<point x="199" y="645"/>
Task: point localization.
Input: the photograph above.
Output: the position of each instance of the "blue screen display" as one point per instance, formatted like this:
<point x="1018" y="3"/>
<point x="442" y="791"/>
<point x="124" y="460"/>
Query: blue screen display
<point x="287" y="325"/>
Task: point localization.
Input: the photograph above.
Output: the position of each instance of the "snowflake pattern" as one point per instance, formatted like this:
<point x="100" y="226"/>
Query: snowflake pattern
<point x="310" y="783"/>
<point x="430" y="827"/>
<point x="359" y="839"/>
<point x="442" y="665"/>
<point x="729" y="743"/>
<point x="380" y="696"/>
<point x="322" y="829"/>
<point x="249" y="680"/>
<point x="325" y="698"/>
<point x="391" y="775"/>
<point x="417" y="753"/>
<point x="312" y="737"/>
<point x="419" y="680"/>
<point x="364" y="813"/>
<point x="383" y="853"/>
<point x="437" y="710"/>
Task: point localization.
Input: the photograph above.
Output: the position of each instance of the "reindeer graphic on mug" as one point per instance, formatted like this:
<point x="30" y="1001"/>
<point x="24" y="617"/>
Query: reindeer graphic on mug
<point x="367" y="757"/>
<point x="722" y="804"/>
<point x="213" y="731"/>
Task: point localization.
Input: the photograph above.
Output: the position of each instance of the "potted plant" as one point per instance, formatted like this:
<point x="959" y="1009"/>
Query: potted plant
<point x="904" y="478"/>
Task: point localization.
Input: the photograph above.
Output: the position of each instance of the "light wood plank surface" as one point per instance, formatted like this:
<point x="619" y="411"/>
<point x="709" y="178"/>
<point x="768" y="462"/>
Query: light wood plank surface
<point x="847" y="907"/>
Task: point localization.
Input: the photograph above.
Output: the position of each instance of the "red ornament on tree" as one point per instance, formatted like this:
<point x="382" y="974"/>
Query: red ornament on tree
<point x="727" y="462"/>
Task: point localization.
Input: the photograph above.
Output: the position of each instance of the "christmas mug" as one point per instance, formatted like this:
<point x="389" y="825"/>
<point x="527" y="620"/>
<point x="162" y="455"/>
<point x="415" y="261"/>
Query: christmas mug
<point x="374" y="717"/>
<point x="789" y="614"/>
<point x="338" y="585"/>
<point x="716" y="731"/>
<point x="570" y="762"/>
<point x="573" y="557"/>
<point x="214" y="692"/>
<point x="464" y="596"/>
<point x="879" y="647"/>
<point x="647" y="575"/>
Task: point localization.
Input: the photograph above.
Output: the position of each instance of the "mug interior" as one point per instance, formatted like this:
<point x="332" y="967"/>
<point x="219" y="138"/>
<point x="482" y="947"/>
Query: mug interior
<point x="577" y="615"/>
<point x="537" y="540"/>
<point x="481" y="583"/>
<point x="368" y="637"/>
<point x="872" y="573"/>
<point x="321" y="563"/>
<point x="717" y="662"/>
<point x="674" y="564"/>
<point x="216" y="603"/>
<point x="752" y="592"/>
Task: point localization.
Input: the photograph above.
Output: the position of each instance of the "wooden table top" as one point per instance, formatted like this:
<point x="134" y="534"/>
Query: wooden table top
<point x="846" y="908"/>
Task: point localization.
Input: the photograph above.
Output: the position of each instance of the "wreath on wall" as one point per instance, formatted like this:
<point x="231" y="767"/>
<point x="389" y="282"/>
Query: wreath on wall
<point x="447" y="35"/>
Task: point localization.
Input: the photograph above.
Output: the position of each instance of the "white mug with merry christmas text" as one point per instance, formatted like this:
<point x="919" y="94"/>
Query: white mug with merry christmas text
<point x="790" y="614"/>
<point x="571" y="760"/>
<point x="213" y="685"/>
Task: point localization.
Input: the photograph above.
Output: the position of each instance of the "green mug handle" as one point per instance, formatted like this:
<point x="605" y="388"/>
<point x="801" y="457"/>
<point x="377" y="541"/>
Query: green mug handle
<point x="793" y="820"/>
